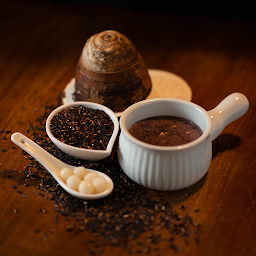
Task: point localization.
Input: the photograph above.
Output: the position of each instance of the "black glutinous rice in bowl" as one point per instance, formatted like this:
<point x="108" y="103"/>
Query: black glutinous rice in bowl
<point x="82" y="127"/>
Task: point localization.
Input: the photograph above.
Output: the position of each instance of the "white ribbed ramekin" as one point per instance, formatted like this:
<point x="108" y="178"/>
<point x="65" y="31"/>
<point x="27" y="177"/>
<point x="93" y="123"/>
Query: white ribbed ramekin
<point x="174" y="167"/>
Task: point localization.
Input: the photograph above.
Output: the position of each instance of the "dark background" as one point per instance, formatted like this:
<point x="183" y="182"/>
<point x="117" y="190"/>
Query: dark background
<point x="242" y="9"/>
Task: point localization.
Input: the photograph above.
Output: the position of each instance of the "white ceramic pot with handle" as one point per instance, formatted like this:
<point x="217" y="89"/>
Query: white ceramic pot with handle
<point x="174" y="167"/>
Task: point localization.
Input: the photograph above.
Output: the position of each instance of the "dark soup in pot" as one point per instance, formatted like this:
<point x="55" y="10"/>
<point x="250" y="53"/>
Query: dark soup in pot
<point x="165" y="130"/>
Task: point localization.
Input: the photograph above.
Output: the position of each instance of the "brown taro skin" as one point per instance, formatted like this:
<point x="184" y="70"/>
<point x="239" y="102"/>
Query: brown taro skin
<point x="166" y="131"/>
<point x="111" y="72"/>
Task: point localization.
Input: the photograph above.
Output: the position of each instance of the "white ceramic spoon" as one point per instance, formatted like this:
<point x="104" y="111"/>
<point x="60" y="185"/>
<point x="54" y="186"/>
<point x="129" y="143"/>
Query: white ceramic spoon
<point x="54" y="165"/>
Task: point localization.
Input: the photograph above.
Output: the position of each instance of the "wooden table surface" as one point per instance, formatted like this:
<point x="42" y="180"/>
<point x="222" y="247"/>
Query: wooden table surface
<point x="216" y="54"/>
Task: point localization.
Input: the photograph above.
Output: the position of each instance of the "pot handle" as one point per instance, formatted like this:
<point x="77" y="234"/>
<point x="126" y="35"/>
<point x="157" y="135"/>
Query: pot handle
<point x="231" y="108"/>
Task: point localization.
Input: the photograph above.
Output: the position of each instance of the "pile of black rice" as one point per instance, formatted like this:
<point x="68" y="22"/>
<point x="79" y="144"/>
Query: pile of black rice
<point x="123" y="217"/>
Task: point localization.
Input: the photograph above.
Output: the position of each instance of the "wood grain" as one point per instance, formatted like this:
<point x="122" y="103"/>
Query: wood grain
<point x="39" y="49"/>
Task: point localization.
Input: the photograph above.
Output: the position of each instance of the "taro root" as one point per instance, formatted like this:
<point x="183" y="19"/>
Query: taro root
<point x="111" y="72"/>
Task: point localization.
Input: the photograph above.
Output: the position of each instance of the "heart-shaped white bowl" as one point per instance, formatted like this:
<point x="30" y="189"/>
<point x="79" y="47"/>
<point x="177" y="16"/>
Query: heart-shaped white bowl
<point x="83" y="153"/>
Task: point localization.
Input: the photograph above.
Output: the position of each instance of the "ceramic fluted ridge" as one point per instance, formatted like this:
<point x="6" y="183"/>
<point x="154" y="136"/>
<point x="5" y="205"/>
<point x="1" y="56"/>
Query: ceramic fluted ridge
<point x="165" y="170"/>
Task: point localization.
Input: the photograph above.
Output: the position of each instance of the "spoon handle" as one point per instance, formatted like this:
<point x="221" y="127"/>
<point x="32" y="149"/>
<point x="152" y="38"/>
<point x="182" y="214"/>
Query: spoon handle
<point x="51" y="163"/>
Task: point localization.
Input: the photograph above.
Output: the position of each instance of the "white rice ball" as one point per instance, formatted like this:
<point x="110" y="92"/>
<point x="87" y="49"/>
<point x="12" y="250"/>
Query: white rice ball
<point x="90" y="176"/>
<point x="80" y="172"/>
<point x="73" y="182"/>
<point x="65" y="173"/>
<point x="100" y="184"/>
<point x="86" y="187"/>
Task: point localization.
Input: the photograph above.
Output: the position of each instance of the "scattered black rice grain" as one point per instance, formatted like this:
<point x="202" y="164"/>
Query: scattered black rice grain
<point x="19" y="191"/>
<point x="26" y="184"/>
<point x="70" y="227"/>
<point x="120" y="218"/>
<point x="197" y="240"/>
<point x="42" y="210"/>
<point x="197" y="210"/>
<point x="4" y="138"/>
<point x="7" y="131"/>
<point x="51" y="230"/>
<point x="3" y="150"/>
<point x="14" y="186"/>
<point x="83" y="127"/>
<point x="31" y="126"/>
<point x="36" y="230"/>
<point x="40" y="194"/>
<point x="15" y="210"/>
<point x="24" y="152"/>
<point x="35" y="176"/>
